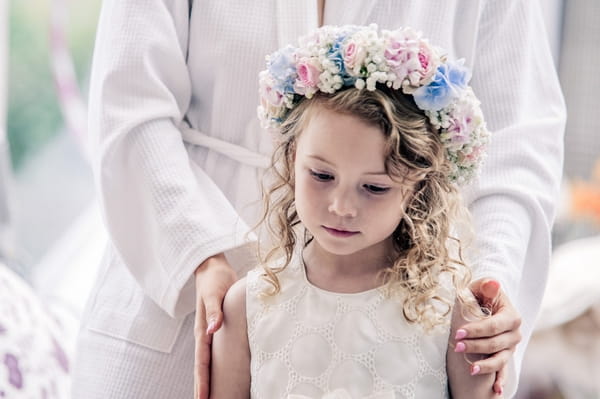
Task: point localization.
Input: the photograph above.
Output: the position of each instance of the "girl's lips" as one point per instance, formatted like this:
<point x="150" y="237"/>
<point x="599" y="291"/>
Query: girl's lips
<point x="339" y="233"/>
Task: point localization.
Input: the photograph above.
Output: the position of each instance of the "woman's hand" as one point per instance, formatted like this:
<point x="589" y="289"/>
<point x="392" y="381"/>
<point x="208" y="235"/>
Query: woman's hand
<point x="213" y="277"/>
<point x="496" y="336"/>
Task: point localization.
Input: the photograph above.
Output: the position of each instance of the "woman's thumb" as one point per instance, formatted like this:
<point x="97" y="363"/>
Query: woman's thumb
<point x="214" y="314"/>
<point x="489" y="290"/>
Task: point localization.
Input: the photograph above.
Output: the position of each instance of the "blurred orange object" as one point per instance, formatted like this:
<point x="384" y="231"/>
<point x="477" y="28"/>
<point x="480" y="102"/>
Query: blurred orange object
<point x="585" y="197"/>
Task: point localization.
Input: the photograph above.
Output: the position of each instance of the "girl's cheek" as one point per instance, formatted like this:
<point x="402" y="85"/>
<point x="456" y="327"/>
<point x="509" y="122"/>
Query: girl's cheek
<point x="311" y="190"/>
<point x="307" y="189"/>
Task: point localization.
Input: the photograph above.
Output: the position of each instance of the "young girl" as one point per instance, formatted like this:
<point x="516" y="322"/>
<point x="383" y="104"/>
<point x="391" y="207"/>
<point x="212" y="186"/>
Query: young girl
<point x="355" y="299"/>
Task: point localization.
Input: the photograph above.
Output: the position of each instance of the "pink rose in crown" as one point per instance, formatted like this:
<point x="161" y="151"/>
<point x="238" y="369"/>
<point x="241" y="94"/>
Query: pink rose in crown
<point x="308" y="74"/>
<point x="457" y="134"/>
<point x="397" y="55"/>
<point x="459" y="131"/>
<point x="308" y="78"/>
<point x="354" y="55"/>
<point x="475" y="153"/>
<point x="275" y="97"/>
<point x="268" y="94"/>
<point x="428" y="62"/>
<point x="411" y="59"/>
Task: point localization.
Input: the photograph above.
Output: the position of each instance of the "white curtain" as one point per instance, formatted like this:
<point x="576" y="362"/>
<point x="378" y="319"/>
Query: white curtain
<point x="580" y="78"/>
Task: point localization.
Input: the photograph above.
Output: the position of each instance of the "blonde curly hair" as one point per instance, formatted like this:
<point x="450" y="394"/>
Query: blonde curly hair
<point x="423" y="238"/>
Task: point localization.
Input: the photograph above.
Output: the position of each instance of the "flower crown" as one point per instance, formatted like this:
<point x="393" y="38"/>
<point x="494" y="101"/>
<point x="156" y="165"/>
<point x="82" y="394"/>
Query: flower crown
<point x="332" y="58"/>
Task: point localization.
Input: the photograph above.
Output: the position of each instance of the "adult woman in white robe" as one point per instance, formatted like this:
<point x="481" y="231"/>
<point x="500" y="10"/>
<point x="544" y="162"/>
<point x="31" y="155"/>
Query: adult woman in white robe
<point x="163" y="66"/>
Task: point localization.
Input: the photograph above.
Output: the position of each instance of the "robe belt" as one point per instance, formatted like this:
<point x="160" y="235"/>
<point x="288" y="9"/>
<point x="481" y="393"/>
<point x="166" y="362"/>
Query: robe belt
<point x="230" y="150"/>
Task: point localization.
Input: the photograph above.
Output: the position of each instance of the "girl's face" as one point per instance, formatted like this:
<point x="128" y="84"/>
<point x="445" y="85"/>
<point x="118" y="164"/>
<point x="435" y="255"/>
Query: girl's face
<point x="343" y="195"/>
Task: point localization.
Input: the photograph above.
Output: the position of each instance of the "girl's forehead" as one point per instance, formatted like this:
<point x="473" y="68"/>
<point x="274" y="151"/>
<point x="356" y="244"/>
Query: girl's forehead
<point x="346" y="141"/>
<point x="325" y="120"/>
<point x="329" y="130"/>
<point x="321" y="111"/>
<point x="343" y="142"/>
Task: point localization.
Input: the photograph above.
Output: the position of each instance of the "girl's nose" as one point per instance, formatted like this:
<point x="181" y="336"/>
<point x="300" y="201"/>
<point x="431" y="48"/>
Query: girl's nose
<point x="342" y="204"/>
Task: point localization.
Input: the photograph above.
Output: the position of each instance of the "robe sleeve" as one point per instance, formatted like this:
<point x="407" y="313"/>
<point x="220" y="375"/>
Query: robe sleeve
<point x="513" y="202"/>
<point x="164" y="214"/>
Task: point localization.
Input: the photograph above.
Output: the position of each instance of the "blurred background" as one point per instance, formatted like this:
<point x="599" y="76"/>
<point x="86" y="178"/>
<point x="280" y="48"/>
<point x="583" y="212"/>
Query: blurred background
<point x="51" y="235"/>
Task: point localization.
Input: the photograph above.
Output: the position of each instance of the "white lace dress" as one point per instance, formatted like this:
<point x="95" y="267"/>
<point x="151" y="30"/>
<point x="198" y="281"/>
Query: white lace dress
<point x="306" y="342"/>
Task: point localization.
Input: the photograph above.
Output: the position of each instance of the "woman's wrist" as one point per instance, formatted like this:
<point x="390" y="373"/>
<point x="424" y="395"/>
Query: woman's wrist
<point x="218" y="258"/>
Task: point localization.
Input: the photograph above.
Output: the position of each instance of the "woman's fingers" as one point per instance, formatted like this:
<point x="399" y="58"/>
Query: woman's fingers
<point x="500" y="380"/>
<point x="487" y="293"/>
<point x="213" y="278"/>
<point x="202" y="355"/>
<point x="499" y="343"/>
<point x="507" y="340"/>
<point x="490" y="289"/>
<point x="214" y="313"/>
<point x="209" y="318"/>
<point x="505" y="319"/>
<point x="492" y="364"/>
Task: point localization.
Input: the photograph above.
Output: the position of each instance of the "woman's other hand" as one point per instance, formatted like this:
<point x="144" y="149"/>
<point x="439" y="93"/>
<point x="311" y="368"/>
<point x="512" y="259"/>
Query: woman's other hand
<point x="496" y="336"/>
<point x="213" y="278"/>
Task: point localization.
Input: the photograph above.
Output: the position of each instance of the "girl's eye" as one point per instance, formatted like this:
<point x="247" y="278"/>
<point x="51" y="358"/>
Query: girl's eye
<point x="320" y="176"/>
<point x="376" y="189"/>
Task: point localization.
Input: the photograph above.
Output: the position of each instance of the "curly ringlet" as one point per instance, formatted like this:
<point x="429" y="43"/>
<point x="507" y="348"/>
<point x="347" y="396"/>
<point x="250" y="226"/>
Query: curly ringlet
<point x="414" y="153"/>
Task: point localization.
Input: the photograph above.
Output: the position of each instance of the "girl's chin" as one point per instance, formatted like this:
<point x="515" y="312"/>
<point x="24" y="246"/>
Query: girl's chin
<point x="338" y="247"/>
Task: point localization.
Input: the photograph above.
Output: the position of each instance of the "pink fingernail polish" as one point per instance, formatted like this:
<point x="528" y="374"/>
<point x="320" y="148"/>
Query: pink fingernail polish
<point x="475" y="370"/>
<point x="211" y="326"/>
<point x="460" y="347"/>
<point x="460" y="334"/>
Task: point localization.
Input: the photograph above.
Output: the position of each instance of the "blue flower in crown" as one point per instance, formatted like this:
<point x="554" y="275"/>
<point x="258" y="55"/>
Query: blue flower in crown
<point x="282" y="66"/>
<point x="448" y="83"/>
<point x="336" y="56"/>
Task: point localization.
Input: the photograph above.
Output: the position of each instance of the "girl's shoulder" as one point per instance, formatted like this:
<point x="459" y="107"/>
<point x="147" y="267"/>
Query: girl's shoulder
<point x="263" y="298"/>
<point x="258" y="282"/>
<point x="235" y="299"/>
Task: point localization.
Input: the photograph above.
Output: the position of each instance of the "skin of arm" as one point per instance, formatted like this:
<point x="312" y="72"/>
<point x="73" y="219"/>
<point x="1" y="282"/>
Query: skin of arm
<point x="230" y="365"/>
<point x="462" y="384"/>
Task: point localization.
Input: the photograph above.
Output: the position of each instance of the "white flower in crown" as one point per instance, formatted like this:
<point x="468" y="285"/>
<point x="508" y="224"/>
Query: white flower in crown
<point x="463" y="133"/>
<point x="332" y="58"/>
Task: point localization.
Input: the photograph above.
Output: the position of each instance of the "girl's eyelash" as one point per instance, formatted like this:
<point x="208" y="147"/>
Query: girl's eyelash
<point x="320" y="176"/>
<point x="373" y="189"/>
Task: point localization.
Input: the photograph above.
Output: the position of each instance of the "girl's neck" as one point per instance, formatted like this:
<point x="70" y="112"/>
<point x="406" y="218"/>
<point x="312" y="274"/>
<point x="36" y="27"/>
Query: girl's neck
<point x="353" y="273"/>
